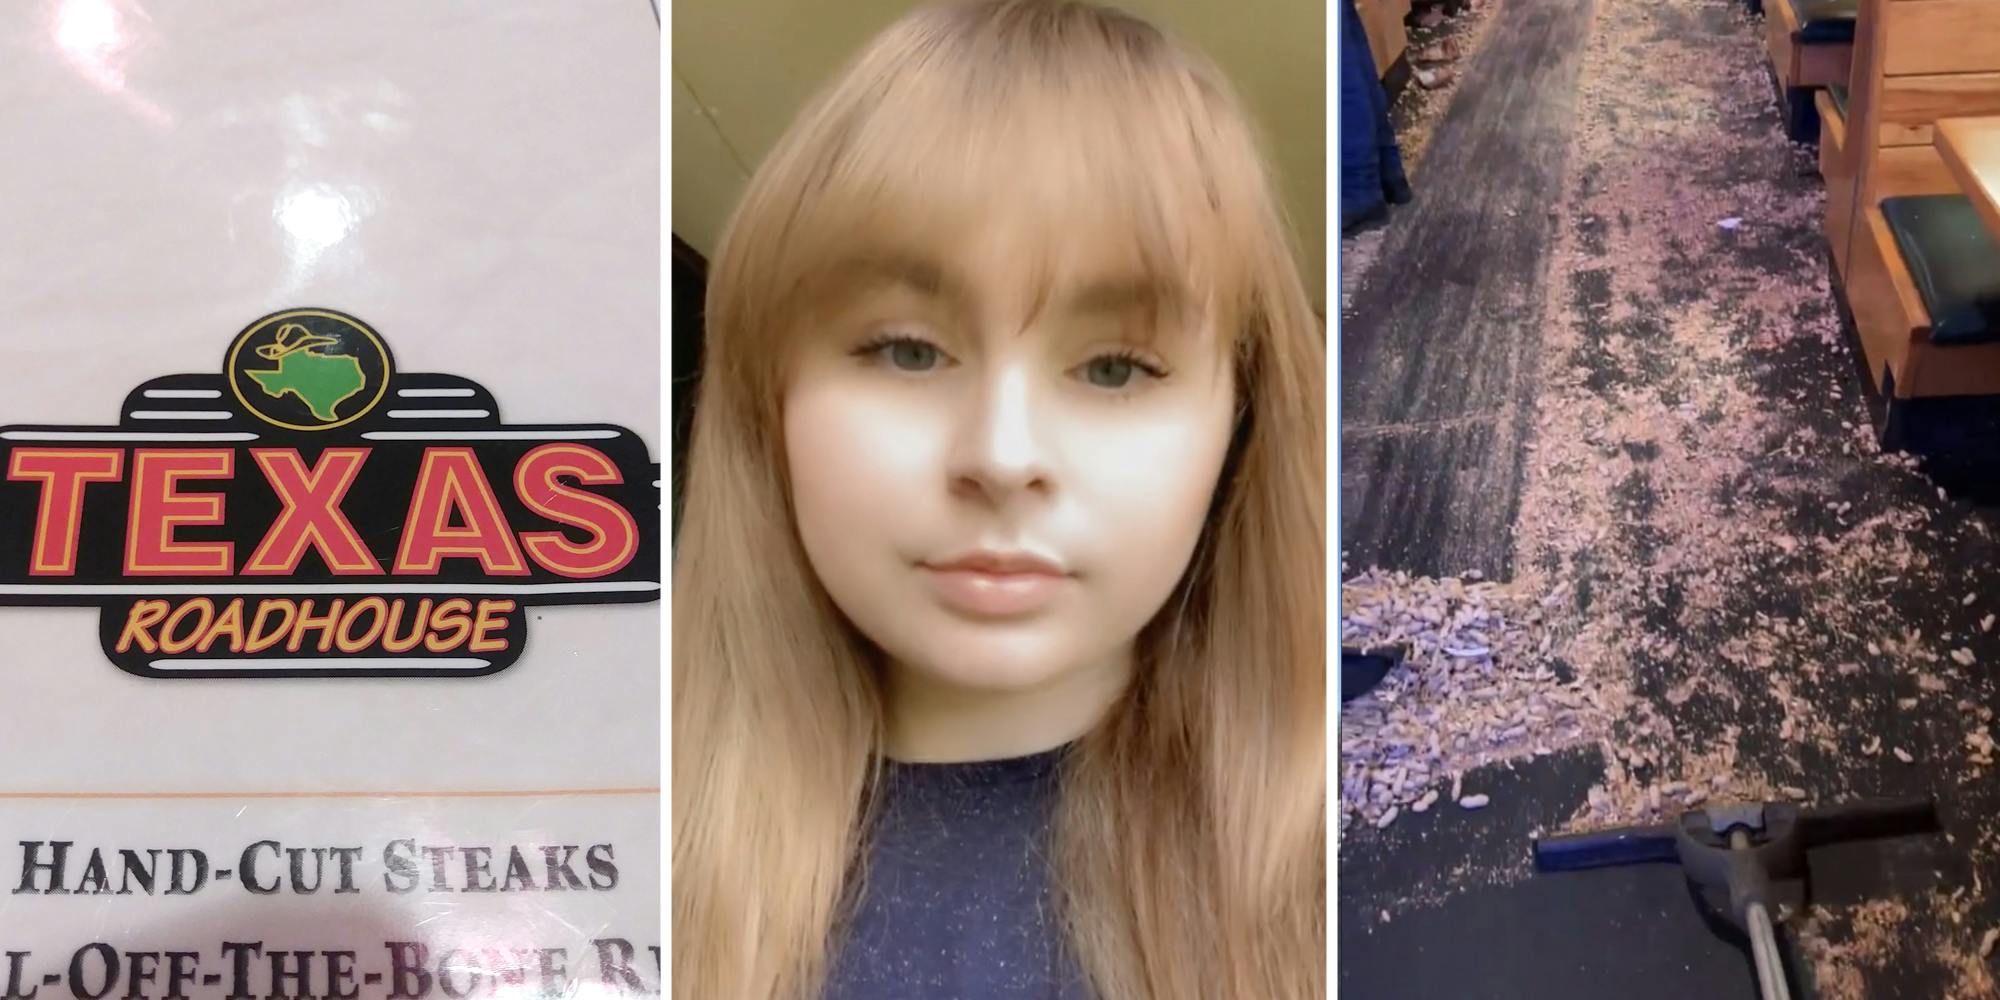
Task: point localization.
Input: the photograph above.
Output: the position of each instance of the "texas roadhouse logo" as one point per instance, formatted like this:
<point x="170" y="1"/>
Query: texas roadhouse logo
<point x="313" y="511"/>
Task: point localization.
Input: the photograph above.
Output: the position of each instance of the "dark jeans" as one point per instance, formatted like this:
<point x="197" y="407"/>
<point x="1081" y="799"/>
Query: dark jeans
<point x="1371" y="167"/>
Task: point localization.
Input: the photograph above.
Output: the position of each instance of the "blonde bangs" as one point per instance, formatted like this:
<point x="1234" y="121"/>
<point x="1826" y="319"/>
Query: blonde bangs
<point x="1069" y="135"/>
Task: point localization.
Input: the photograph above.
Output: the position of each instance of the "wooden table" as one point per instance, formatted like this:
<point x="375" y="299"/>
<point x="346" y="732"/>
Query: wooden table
<point x="1971" y="149"/>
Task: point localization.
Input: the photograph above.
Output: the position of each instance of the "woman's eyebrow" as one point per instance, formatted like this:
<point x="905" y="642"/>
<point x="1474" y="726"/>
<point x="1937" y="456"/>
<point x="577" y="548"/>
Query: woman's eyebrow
<point x="922" y="275"/>
<point x="1121" y="295"/>
<point x="1125" y="294"/>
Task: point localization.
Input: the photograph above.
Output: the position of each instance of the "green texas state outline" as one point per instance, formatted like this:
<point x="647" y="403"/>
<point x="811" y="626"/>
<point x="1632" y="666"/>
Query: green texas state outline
<point x="321" y="381"/>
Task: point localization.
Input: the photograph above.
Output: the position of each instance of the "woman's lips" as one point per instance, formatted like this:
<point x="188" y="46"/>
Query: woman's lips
<point x="993" y="595"/>
<point x="995" y="586"/>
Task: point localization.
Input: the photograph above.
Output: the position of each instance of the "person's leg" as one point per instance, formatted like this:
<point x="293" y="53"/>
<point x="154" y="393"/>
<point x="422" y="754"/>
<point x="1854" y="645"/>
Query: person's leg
<point x="1389" y="156"/>
<point x="1361" y="103"/>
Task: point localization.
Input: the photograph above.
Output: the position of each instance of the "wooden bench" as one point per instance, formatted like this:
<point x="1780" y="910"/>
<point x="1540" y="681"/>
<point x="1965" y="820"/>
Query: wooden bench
<point x="1811" y="43"/>
<point x="1906" y="242"/>
<point x="1836" y="167"/>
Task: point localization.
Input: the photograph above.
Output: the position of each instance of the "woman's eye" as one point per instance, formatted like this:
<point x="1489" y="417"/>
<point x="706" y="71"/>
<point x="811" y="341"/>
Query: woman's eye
<point x="1117" y="371"/>
<point x="909" y="354"/>
<point x="1109" y="372"/>
<point x="913" y="355"/>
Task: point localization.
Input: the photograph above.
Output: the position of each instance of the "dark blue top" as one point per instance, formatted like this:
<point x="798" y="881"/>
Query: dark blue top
<point x="957" y="904"/>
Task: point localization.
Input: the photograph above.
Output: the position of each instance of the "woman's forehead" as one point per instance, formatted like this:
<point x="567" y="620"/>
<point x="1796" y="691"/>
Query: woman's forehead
<point x="1083" y="241"/>
<point x="1083" y="267"/>
<point x="1005" y="291"/>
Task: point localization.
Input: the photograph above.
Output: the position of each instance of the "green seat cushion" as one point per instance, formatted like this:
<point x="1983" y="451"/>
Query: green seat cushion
<point x="1838" y="91"/>
<point x="1826" y="20"/>
<point x="1955" y="262"/>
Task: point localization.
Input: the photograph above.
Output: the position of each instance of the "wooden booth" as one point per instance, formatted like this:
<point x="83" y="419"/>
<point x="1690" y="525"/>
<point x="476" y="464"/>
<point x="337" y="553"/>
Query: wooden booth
<point x="1811" y="43"/>
<point x="1910" y="213"/>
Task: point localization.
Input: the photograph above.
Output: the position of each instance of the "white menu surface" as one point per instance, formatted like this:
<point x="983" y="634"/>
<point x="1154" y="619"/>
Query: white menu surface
<point x="478" y="182"/>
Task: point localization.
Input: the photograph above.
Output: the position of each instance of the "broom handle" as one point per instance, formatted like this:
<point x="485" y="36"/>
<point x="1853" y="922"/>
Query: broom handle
<point x="1763" y="939"/>
<point x="1764" y="950"/>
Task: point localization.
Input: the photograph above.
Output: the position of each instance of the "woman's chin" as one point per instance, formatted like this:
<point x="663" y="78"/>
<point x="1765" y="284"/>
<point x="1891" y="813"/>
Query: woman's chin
<point x="1000" y="658"/>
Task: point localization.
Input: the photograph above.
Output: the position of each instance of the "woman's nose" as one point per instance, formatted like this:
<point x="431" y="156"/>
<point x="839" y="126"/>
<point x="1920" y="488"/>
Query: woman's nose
<point x="1002" y="447"/>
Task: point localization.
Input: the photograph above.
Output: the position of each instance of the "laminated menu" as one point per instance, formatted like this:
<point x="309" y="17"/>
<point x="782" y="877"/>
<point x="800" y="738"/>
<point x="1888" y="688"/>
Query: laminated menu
<point x="330" y="500"/>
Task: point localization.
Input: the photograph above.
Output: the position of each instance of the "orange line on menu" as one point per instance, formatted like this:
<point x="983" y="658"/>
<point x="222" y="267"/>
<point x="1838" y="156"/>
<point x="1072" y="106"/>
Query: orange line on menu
<point x="527" y="793"/>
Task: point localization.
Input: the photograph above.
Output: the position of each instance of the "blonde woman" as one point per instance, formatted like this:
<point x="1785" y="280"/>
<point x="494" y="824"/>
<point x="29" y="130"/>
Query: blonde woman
<point x="999" y="662"/>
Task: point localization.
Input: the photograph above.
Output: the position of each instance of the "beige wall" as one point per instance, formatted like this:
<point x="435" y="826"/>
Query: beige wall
<point x="742" y="68"/>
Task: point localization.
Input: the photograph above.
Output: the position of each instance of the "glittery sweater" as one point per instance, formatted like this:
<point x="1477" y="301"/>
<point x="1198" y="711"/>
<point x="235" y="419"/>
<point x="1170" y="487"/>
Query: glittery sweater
<point x="957" y="903"/>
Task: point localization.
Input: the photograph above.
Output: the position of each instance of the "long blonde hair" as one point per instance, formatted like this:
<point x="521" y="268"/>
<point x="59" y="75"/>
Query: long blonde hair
<point x="1189" y="840"/>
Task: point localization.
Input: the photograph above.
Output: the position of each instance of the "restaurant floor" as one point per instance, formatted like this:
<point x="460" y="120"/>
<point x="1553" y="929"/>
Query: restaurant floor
<point x="1598" y="364"/>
